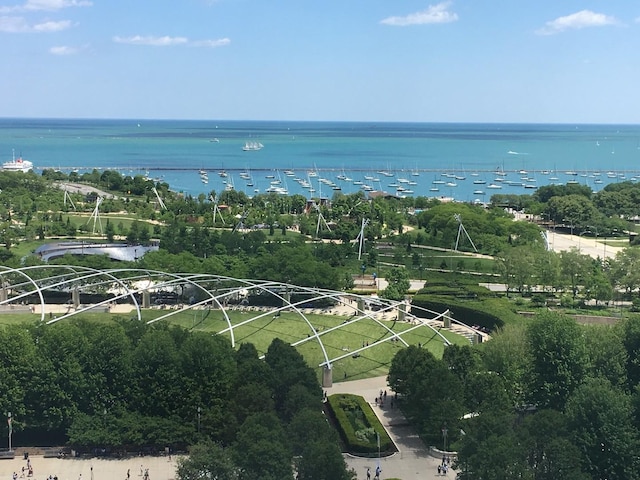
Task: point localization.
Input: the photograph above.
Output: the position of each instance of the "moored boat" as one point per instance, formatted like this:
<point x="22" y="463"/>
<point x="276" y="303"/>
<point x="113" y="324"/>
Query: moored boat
<point x="17" y="164"/>
<point x="252" y="146"/>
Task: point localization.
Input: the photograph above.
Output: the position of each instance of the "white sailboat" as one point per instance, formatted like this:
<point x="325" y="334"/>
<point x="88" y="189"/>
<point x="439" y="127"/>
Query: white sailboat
<point x="252" y="146"/>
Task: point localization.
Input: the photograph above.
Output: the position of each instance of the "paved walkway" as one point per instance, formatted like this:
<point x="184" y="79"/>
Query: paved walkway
<point x="413" y="460"/>
<point x="586" y="245"/>
<point x="160" y="468"/>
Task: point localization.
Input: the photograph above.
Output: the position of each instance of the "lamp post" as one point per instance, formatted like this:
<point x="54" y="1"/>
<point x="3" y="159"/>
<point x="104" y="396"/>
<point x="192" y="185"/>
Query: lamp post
<point x="580" y="237"/>
<point x="199" y="410"/>
<point x="9" y="423"/>
<point x="444" y="437"/>
<point x="378" y="439"/>
<point x="605" y="242"/>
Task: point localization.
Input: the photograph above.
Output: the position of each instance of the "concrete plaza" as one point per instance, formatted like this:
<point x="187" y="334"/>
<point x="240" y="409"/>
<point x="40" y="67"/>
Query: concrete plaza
<point x="413" y="459"/>
<point x="160" y="468"/>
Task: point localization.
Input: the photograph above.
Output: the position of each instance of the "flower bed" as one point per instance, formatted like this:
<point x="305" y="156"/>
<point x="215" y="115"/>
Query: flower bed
<point x="358" y="425"/>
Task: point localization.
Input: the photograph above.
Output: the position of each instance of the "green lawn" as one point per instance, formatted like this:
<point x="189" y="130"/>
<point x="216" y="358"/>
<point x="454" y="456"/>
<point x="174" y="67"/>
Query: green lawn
<point x="291" y="328"/>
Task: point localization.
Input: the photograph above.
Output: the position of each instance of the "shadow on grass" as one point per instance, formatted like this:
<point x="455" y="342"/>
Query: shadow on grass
<point x="256" y="331"/>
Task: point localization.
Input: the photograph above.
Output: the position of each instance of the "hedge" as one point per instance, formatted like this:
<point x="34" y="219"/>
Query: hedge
<point x="337" y="404"/>
<point x="490" y="313"/>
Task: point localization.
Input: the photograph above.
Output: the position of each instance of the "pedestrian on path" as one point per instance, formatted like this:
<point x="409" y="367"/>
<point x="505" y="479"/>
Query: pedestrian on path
<point x="368" y="473"/>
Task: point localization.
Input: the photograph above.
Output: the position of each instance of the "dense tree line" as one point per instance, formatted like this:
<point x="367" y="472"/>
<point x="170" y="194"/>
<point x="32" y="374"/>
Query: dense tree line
<point x="491" y="230"/>
<point x="577" y="276"/>
<point x="577" y="208"/>
<point x="127" y="385"/>
<point x="196" y="237"/>
<point x="544" y="400"/>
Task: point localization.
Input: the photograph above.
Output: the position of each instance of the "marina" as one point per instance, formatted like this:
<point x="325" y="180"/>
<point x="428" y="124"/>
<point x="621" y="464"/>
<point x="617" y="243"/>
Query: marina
<point x="326" y="182"/>
<point x="467" y="162"/>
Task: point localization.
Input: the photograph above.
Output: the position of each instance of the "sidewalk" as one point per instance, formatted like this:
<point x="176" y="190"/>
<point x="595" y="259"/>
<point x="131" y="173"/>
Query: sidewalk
<point x="160" y="468"/>
<point x="412" y="461"/>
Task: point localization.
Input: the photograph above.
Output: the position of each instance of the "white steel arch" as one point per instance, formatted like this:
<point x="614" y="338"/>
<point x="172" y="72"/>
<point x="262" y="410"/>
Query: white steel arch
<point x="216" y="290"/>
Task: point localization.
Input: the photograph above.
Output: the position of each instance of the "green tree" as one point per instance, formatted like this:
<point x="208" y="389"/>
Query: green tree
<point x="403" y="367"/>
<point x="600" y="418"/>
<point x="158" y="389"/>
<point x="625" y="269"/>
<point x="399" y="284"/>
<point x="607" y="354"/>
<point x="516" y="268"/>
<point x="558" y="359"/>
<point x="261" y="449"/>
<point x="316" y="447"/>
<point x="550" y="452"/>
<point x="491" y="450"/>
<point x="433" y="394"/>
<point x="509" y="356"/>
<point x="631" y="342"/>
<point x="207" y="461"/>
<point x="575" y="210"/>
<point x="548" y="270"/>
<point x="134" y="232"/>
<point x="290" y="374"/>
<point x="596" y="284"/>
<point x="109" y="231"/>
<point x="461" y="360"/>
<point x="575" y="267"/>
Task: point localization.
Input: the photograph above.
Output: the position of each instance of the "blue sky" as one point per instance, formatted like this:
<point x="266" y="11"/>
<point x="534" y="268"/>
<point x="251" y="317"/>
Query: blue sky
<point x="349" y="60"/>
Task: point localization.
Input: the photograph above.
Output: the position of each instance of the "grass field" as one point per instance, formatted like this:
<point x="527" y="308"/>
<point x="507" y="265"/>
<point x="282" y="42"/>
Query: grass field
<point x="292" y="328"/>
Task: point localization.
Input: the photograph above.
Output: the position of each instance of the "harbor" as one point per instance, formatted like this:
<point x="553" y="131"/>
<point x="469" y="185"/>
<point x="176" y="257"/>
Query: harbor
<point x="466" y="162"/>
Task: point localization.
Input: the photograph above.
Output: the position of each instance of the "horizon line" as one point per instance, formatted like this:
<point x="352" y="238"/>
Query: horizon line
<point x="424" y="122"/>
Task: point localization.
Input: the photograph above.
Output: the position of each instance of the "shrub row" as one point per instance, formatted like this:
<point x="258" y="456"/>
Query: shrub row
<point x="458" y="291"/>
<point x="337" y="404"/>
<point x="490" y="313"/>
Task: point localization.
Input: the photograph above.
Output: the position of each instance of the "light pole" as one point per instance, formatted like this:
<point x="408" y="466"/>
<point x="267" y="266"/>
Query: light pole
<point x="199" y="410"/>
<point x="604" y="257"/>
<point x="9" y="422"/>
<point x="378" y="439"/>
<point x="444" y="437"/>
<point x="580" y="237"/>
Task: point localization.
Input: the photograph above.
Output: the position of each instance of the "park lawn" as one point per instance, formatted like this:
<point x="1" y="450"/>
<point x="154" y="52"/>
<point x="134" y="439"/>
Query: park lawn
<point x="615" y="242"/>
<point x="434" y="258"/>
<point x="84" y="218"/>
<point x="291" y="328"/>
<point x="26" y="247"/>
<point x="7" y="319"/>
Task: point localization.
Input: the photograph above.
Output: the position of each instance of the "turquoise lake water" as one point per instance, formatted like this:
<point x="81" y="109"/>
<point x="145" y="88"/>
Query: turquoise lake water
<point x="430" y="159"/>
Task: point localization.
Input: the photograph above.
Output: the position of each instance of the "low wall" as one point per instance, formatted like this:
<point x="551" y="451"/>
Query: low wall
<point x="15" y="309"/>
<point x="438" y="453"/>
<point x="595" y="320"/>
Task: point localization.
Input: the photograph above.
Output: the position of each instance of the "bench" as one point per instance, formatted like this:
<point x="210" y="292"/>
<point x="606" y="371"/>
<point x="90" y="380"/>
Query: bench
<point x="51" y="453"/>
<point x="7" y="455"/>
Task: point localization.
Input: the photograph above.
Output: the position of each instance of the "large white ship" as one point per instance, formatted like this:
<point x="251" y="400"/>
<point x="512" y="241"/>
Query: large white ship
<point x="17" y="164"/>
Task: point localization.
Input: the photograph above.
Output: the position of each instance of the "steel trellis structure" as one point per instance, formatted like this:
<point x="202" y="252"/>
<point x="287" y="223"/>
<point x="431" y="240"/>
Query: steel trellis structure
<point x="208" y="292"/>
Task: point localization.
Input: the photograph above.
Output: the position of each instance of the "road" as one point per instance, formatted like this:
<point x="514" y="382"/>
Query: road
<point x="586" y="245"/>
